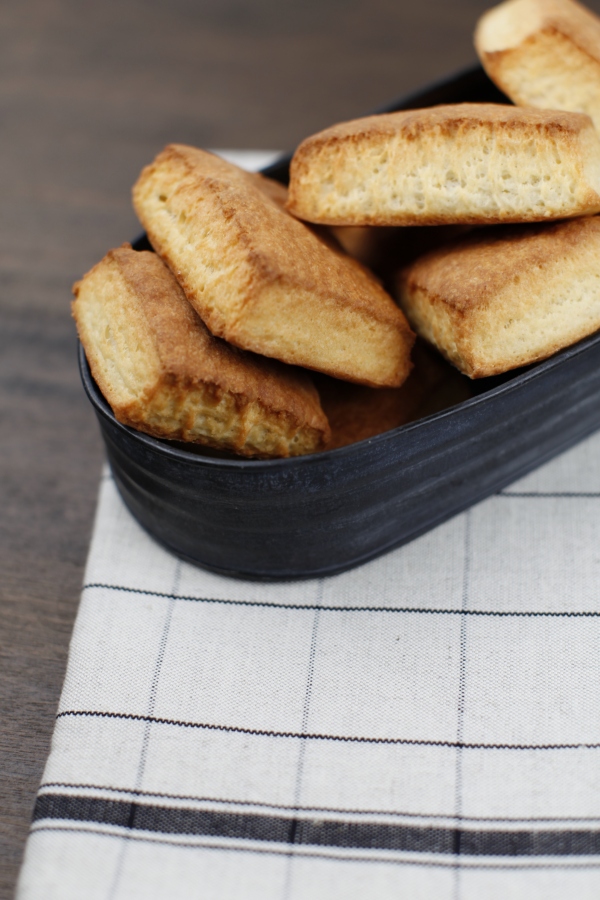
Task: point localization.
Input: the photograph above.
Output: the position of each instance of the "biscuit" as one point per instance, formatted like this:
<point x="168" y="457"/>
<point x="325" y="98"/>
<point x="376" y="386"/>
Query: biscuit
<point x="543" y="53"/>
<point x="263" y="280"/>
<point x="508" y="296"/>
<point x="162" y="371"/>
<point x="469" y="163"/>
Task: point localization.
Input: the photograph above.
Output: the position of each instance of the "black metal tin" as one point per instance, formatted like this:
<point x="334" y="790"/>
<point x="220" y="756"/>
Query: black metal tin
<point x="318" y="515"/>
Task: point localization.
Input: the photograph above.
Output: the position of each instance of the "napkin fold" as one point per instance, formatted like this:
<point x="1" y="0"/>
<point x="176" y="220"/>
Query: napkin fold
<point x="425" y="726"/>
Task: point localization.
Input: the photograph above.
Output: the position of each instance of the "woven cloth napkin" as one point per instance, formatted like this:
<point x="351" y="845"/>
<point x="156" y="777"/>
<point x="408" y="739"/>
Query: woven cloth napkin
<point x="425" y="726"/>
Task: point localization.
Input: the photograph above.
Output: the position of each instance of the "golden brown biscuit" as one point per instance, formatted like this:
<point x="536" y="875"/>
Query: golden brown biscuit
<point x="543" y="53"/>
<point x="164" y="373"/>
<point x="261" y="279"/>
<point x="469" y="163"/>
<point x="506" y="297"/>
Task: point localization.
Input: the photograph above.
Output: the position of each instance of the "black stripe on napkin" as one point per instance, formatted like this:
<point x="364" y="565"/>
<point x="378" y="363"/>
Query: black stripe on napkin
<point x="400" y="610"/>
<point x="311" y="736"/>
<point x="318" y="832"/>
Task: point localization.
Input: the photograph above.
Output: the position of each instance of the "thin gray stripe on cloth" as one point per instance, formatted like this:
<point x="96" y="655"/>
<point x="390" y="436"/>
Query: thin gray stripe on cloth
<point x="460" y="718"/>
<point x="302" y="751"/>
<point x="146" y="737"/>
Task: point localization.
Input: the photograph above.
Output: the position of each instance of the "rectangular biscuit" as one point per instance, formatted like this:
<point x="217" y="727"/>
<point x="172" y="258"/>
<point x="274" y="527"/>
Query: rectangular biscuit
<point x="543" y="53"/>
<point x="506" y="297"/>
<point x="163" y="373"/>
<point x="468" y="163"/>
<point x="263" y="280"/>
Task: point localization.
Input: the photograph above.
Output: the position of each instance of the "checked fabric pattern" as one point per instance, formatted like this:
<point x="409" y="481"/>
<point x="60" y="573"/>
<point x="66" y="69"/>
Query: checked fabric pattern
<point x="426" y="726"/>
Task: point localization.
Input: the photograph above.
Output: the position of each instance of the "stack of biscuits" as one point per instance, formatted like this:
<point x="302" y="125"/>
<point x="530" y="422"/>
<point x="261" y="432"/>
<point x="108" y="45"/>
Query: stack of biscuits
<point x="252" y="330"/>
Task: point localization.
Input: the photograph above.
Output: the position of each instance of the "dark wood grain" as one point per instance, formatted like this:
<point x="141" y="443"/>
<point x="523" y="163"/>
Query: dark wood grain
<point x="88" y="94"/>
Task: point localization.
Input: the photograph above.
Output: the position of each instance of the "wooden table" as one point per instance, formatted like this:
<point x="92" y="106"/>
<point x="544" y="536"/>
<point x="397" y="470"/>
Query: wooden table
<point x="88" y="94"/>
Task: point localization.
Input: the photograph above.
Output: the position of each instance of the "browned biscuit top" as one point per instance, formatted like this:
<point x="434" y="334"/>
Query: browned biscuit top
<point x="281" y="248"/>
<point x="263" y="280"/>
<point x="446" y="120"/>
<point x="465" y="274"/>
